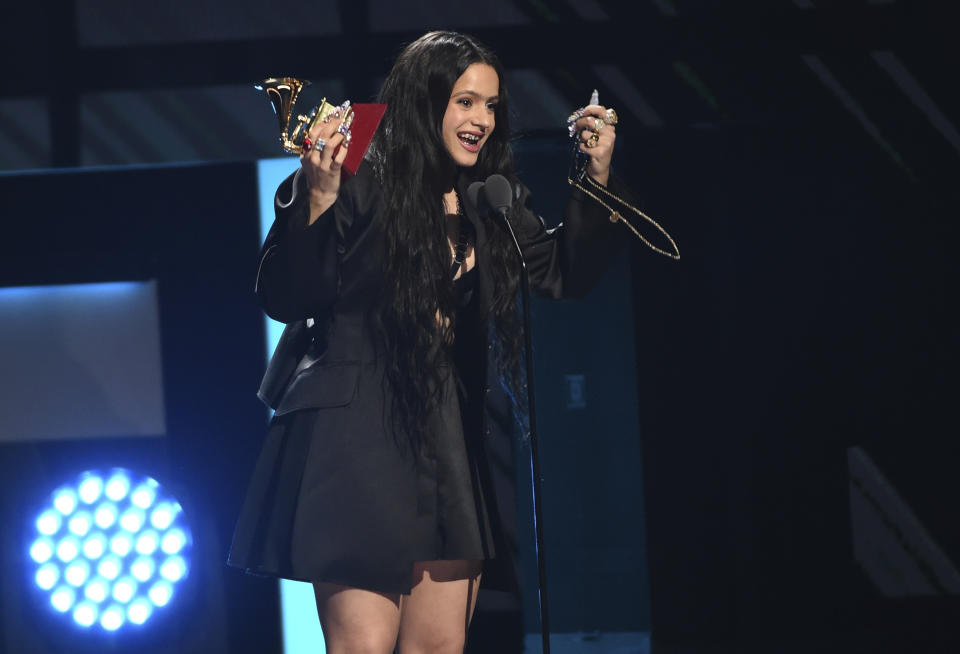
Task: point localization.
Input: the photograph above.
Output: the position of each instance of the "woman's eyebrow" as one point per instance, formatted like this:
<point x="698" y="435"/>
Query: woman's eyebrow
<point x="475" y="95"/>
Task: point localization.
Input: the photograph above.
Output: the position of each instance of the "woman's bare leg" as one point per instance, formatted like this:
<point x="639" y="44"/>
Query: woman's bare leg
<point x="357" y="621"/>
<point x="435" y="616"/>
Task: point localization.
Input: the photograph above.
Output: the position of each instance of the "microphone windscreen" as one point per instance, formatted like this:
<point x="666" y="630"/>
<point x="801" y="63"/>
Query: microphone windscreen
<point x="498" y="192"/>
<point x="473" y="194"/>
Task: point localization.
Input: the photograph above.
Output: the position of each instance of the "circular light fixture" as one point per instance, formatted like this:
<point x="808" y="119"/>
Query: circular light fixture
<point x="110" y="549"/>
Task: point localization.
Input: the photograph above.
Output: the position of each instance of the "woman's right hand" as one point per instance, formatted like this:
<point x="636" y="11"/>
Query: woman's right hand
<point x="322" y="163"/>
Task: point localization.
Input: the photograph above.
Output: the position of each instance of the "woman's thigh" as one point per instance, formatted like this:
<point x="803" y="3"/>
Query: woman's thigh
<point x="435" y="616"/>
<point x="357" y="620"/>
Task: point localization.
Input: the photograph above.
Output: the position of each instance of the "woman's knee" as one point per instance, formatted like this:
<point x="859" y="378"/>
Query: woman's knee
<point x="434" y="641"/>
<point x="360" y="643"/>
<point x="357" y="621"/>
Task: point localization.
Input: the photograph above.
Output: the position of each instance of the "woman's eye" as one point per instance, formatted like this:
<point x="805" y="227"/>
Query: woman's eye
<point x="466" y="102"/>
<point x="492" y="106"/>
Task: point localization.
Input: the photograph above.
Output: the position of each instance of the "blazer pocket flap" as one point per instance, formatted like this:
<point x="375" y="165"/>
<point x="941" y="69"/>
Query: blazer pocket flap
<point x="321" y="387"/>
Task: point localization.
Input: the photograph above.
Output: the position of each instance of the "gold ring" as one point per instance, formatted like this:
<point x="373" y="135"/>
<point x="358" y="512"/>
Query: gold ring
<point x="612" y="116"/>
<point x="593" y="140"/>
<point x="598" y="124"/>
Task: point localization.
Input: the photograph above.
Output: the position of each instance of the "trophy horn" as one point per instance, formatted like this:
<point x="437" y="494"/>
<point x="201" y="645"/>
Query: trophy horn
<point x="282" y="93"/>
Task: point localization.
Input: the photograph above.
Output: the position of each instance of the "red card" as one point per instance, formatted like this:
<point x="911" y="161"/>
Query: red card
<point x="366" y="119"/>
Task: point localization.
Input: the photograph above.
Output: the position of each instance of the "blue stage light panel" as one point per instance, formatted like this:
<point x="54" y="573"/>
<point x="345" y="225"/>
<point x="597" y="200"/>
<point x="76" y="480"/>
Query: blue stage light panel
<point x="110" y="549"/>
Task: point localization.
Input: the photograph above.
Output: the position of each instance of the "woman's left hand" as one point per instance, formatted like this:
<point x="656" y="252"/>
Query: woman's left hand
<point x="597" y="137"/>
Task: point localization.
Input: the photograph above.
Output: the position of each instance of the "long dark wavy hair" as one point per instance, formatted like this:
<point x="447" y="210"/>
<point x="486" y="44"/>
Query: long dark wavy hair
<point x="415" y="169"/>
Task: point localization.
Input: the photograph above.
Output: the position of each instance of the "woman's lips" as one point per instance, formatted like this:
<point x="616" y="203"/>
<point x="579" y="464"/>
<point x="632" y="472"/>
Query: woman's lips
<point x="469" y="141"/>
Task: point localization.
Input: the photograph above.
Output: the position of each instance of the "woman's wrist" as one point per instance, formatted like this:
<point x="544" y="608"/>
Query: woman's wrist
<point x="600" y="178"/>
<point x="320" y="201"/>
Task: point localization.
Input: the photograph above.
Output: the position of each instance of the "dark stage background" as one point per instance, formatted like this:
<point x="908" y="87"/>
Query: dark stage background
<point x="766" y="459"/>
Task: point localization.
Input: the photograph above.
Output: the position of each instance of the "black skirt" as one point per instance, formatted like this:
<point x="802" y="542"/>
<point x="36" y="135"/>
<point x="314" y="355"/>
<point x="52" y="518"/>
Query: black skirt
<point x="327" y="503"/>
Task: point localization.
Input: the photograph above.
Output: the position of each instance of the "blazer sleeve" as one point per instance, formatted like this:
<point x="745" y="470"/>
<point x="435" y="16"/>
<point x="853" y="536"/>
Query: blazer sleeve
<point x="298" y="273"/>
<point x="568" y="260"/>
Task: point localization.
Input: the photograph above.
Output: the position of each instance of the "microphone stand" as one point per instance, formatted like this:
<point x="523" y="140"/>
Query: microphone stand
<point x="537" y="478"/>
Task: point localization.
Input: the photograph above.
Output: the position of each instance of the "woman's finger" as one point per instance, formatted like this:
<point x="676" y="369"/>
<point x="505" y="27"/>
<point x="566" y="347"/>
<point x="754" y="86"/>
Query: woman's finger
<point x="340" y="157"/>
<point x="329" y="150"/>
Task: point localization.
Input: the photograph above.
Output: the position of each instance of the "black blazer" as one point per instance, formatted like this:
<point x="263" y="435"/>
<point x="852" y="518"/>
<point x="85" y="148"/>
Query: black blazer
<point x="322" y="280"/>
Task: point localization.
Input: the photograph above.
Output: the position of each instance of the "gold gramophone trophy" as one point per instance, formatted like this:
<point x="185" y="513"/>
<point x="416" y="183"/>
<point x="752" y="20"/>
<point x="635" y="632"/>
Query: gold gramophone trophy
<point x="283" y="93"/>
<point x="358" y="124"/>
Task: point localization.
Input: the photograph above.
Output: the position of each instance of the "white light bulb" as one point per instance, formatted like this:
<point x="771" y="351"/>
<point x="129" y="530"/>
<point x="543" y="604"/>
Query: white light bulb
<point x="41" y="550"/>
<point x="117" y="487"/>
<point x="65" y="501"/>
<point x="105" y="515"/>
<point x="160" y="593"/>
<point x="138" y="611"/>
<point x="112" y="618"/>
<point x="124" y="589"/>
<point x="90" y="489"/>
<point x="49" y="522"/>
<point x="47" y="576"/>
<point x="85" y="614"/>
<point x="62" y="598"/>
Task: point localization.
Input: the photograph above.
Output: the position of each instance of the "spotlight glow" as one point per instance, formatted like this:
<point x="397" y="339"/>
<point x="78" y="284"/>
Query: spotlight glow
<point x="80" y="523"/>
<point x="147" y="542"/>
<point x="132" y="519"/>
<point x="143" y="568"/>
<point x="139" y="610"/>
<point x="68" y="549"/>
<point x="160" y="593"/>
<point x="110" y="567"/>
<point x="164" y="514"/>
<point x="105" y="515"/>
<point x="41" y="550"/>
<point x="110" y="549"/>
<point x="48" y="575"/>
<point x="85" y="614"/>
<point x="62" y="598"/>
<point x="144" y="495"/>
<point x="173" y="541"/>
<point x="49" y="523"/>
<point x="76" y="573"/>
<point x="121" y="544"/>
<point x="95" y="546"/>
<point x="117" y="487"/>
<point x="90" y="488"/>
<point x="173" y="569"/>
<point x="112" y="618"/>
<point x="65" y="500"/>
<point x="124" y="589"/>
<point x="96" y="590"/>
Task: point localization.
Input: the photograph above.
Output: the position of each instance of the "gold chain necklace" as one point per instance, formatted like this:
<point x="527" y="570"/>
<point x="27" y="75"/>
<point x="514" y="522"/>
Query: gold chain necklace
<point x="615" y="216"/>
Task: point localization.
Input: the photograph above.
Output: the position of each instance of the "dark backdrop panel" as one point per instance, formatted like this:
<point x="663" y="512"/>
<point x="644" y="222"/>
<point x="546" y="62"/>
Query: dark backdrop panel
<point x="195" y="230"/>
<point x="590" y="455"/>
<point x="810" y="313"/>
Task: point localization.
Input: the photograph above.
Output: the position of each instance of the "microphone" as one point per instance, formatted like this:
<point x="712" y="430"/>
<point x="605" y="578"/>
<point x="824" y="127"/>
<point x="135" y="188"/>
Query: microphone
<point x="473" y="195"/>
<point x="499" y="194"/>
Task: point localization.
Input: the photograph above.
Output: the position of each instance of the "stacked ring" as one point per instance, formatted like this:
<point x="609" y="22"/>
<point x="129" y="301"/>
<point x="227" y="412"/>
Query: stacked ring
<point x="576" y="115"/>
<point x="593" y="140"/>
<point x="572" y="121"/>
<point x="612" y="116"/>
<point x="598" y="124"/>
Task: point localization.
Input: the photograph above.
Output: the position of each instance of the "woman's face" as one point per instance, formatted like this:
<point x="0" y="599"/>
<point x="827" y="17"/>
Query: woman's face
<point x="469" y="118"/>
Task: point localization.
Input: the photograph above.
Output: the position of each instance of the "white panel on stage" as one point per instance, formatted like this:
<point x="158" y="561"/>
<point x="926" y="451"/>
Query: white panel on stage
<point x="80" y="361"/>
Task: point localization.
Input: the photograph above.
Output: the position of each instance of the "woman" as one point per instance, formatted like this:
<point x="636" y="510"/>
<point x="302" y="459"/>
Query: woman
<point x="373" y="482"/>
